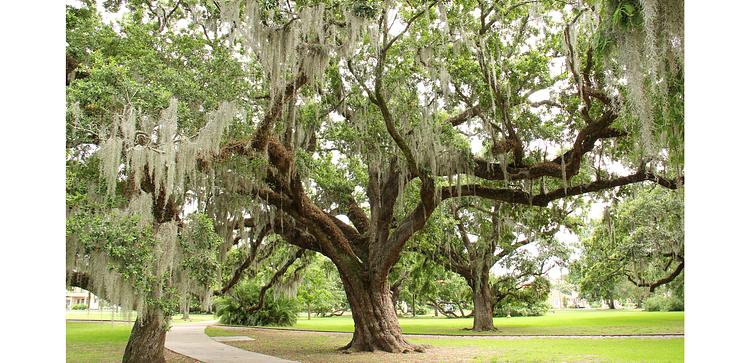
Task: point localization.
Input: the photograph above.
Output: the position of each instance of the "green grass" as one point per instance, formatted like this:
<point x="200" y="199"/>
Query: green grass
<point x="106" y="316"/>
<point x="563" y="322"/>
<point x="321" y="347"/>
<point x="96" y="342"/>
<point x="105" y="341"/>
<point x="548" y="350"/>
<point x="102" y="342"/>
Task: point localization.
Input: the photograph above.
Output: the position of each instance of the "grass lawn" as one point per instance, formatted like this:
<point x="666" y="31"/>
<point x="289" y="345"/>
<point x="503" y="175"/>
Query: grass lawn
<point x="561" y="322"/>
<point x="107" y="315"/>
<point x="321" y="347"/>
<point x="103" y="342"/>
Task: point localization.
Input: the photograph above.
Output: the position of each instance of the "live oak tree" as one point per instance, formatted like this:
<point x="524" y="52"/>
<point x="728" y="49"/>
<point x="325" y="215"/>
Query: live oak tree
<point x="482" y="235"/>
<point x="370" y="110"/>
<point x="639" y="241"/>
<point x="128" y="239"/>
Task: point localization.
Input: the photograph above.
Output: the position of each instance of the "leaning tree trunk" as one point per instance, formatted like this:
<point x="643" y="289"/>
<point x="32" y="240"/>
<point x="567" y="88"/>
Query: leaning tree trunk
<point x="146" y="343"/>
<point x="376" y="325"/>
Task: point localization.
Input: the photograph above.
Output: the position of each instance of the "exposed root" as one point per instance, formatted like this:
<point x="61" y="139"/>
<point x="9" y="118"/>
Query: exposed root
<point x="404" y="348"/>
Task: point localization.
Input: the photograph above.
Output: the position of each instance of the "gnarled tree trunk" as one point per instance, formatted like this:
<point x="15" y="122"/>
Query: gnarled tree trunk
<point x="376" y="325"/>
<point x="146" y="343"/>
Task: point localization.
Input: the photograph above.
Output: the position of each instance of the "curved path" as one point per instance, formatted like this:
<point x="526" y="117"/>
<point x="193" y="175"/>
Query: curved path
<point x="191" y="340"/>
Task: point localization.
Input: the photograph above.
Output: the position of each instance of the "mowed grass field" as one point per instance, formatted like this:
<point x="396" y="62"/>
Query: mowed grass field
<point x="94" y="342"/>
<point x="561" y="322"/>
<point x="316" y="347"/>
<point x="106" y="341"/>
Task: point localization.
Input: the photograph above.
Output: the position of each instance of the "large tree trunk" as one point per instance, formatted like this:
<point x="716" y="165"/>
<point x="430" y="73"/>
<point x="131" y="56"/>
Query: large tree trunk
<point x="611" y="303"/>
<point x="483" y="306"/>
<point x="376" y="325"/>
<point x="146" y="343"/>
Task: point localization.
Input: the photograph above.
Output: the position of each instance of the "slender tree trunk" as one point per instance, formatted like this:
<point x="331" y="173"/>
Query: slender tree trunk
<point x="186" y="307"/>
<point x="146" y="343"/>
<point x="376" y="325"/>
<point x="308" y="311"/>
<point x="395" y="292"/>
<point x="413" y="305"/>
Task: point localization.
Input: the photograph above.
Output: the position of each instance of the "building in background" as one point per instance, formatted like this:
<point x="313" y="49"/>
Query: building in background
<point x="79" y="296"/>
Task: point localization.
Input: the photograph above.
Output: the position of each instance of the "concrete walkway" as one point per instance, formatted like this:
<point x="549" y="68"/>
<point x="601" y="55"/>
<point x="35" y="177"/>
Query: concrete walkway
<point x="190" y="340"/>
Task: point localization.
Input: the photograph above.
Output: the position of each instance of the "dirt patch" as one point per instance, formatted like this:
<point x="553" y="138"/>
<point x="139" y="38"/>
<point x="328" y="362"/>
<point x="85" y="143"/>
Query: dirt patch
<point x="322" y="348"/>
<point x="173" y="357"/>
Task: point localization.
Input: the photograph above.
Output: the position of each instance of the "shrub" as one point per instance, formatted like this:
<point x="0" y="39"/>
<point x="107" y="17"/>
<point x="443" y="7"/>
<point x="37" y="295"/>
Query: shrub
<point x="78" y="307"/>
<point x="664" y="303"/>
<point x="232" y="308"/>
<point x="523" y="309"/>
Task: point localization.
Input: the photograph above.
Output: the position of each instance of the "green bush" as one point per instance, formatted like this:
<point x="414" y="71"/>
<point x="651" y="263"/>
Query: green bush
<point x="78" y="307"/>
<point x="664" y="303"/>
<point x="277" y="311"/>
<point x="523" y="309"/>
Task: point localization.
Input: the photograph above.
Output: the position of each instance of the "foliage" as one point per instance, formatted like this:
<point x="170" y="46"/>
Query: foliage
<point x="661" y="302"/>
<point x="529" y="300"/>
<point x="79" y="307"/>
<point x="640" y="239"/>
<point x="321" y="291"/>
<point x="277" y="310"/>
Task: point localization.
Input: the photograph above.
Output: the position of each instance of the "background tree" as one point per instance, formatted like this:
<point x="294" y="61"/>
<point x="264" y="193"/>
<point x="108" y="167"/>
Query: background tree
<point x="483" y="235"/>
<point x="127" y="238"/>
<point x="639" y="239"/>
<point x="320" y="291"/>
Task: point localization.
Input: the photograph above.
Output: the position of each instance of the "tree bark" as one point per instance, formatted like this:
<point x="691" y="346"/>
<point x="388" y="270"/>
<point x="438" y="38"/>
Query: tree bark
<point x="483" y="301"/>
<point x="186" y="307"/>
<point x="611" y="303"/>
<point x="376" y="325"/>
<point x="395" y="292"/>
<point x="146" y="343"/>
<point x="413" y="305"/>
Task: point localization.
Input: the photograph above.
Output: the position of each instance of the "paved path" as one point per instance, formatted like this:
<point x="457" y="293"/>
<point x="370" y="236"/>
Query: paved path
<point x="190" y="340"/>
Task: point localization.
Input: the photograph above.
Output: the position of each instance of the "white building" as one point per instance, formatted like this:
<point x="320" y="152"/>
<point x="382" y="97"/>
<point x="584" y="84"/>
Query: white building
<point x="77" y="295"/>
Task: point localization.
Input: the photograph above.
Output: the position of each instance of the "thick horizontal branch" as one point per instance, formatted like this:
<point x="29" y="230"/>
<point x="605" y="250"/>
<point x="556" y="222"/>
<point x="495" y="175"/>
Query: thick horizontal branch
<point x="464" y="116"/>
<point x="516" y="196"/>
<point x="653" y="285"/>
